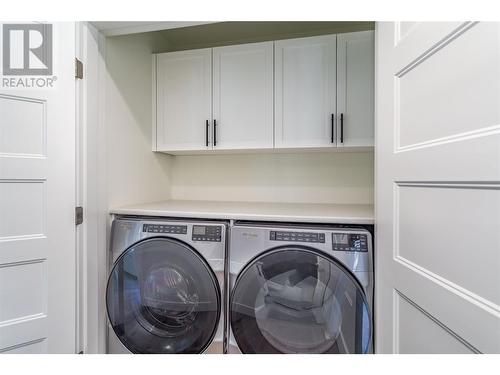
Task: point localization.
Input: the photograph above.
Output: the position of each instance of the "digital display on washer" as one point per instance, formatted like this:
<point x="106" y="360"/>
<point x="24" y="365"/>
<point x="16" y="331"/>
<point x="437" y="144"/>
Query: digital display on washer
<point x="349" y="242"/>
<point x="199" y="230"/>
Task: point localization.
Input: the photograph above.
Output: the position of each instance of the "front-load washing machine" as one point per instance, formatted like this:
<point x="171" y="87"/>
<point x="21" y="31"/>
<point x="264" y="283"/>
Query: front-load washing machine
<point x="165" y="291"/>
<point x="300" y="289"/>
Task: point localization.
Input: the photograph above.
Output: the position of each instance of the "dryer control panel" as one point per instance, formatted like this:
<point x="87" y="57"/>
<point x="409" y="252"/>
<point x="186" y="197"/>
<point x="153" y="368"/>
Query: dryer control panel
<point x="290" y="236"/>
<point x="349" y="242"/>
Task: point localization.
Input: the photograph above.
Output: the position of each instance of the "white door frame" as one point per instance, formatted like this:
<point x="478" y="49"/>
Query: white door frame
<point x="91" y="237"/>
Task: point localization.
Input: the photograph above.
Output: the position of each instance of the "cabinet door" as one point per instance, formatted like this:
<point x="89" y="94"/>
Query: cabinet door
<point x="243" y="96"/>
<point x="305" y="92"/>
<point x="355" y="89"/>
<point x="183" y="100"/>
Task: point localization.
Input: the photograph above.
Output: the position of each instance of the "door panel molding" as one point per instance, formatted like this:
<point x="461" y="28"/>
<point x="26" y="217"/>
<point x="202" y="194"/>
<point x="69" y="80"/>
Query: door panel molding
<point x="438" y="45"/>
<point x="459" y="113"/>
<point x="399" y="297"/>
<point x="42" y="125"/>
<point x="459" y="137"/>
<point x="483" y="303"/>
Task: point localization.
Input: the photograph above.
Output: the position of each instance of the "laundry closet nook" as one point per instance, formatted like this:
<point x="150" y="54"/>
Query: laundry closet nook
<point x="233" y="124"/>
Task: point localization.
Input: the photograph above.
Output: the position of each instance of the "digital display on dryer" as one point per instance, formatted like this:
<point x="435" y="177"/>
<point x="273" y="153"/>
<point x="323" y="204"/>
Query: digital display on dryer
<point x="340" y="238"/>
<point x="349" y="242"/>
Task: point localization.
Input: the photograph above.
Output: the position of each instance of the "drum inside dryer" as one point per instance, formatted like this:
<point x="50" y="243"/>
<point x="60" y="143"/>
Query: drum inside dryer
<point x="298" y="300"/>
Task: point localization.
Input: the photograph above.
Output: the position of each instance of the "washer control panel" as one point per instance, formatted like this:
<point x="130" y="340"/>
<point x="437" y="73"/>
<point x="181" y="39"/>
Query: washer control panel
<point x="160" y="228"/>
<point x="349" y="242"/>
<point x="289" y="236"/>
<point x="211" y="233"/>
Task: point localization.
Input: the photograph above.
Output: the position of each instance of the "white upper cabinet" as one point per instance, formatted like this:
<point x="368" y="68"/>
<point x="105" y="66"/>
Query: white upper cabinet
<point x="355" y="89"/>
<point x="305" y="92"/>
<point x="315" y="92"/>
<point x="183" y="100"/>
<point x="243" y="96"/>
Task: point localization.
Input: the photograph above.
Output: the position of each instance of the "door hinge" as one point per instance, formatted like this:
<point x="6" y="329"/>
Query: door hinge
<point x="78" y="69"/>
<point x="78" y="215"/>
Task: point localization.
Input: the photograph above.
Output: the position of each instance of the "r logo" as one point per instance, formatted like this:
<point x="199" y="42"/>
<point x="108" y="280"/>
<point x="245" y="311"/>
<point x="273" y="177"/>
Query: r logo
<point x="27" y="49"/>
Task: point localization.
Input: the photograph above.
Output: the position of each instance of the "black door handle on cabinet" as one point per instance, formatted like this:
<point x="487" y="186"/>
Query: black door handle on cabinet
<point x="341" y="128"/>
<point x="215" y="133"/>
<point x="206" y="133"/>
<point x="333" y="119"/>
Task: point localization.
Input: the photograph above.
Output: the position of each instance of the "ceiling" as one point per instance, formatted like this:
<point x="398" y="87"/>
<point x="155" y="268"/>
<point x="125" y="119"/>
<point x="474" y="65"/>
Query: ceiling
<point x="226" y="33"/>
<point x="182" y="35"/>
<point x="112" y="28"/>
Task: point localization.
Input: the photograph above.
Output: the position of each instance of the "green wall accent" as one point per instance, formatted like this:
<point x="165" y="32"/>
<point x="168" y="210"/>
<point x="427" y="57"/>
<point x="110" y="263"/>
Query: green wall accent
<point x="227" y="33"/>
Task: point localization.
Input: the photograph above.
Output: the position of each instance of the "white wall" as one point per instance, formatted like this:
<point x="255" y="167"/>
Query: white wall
<point x="335" y="177"/>
<point x="134" y="173"/>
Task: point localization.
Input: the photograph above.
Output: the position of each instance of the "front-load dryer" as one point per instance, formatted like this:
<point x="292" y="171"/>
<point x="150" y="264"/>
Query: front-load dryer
<point x="165" y="292"/>
<point x="300" y="289"/>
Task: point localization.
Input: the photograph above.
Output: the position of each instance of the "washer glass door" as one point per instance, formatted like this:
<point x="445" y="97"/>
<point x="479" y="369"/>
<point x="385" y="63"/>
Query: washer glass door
<point x="162" y="297"/>
<point x="298" y="300"/>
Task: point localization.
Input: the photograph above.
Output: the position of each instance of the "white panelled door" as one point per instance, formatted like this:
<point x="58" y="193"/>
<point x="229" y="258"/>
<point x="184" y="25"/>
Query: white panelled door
<point x="243" y="96"/>
<point x="438" y="188"/>
<point x="37" y="207"/>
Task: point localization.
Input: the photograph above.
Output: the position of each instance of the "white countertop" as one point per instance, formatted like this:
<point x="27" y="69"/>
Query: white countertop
<point x="263" y="211"/>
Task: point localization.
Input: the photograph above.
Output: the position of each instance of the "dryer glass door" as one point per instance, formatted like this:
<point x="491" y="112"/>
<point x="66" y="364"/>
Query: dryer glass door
<point x="297" y="300"/>
<point x="162" y="297"/>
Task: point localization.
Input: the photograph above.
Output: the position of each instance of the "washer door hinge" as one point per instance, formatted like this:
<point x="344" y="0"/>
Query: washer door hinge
<point x="78" y="215"/>
<point x="78" y="69"/>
